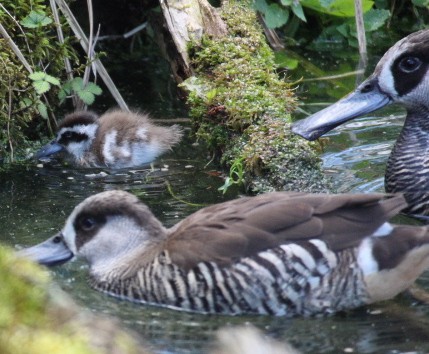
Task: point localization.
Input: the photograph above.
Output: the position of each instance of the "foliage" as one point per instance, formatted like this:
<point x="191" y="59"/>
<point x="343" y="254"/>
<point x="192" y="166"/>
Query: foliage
<point x="236" y="175"/>
<point x="238" y="93"/>
<point x="334" y="20"/>
<point x="76" y="86"/>
<point x="27" y="100"/>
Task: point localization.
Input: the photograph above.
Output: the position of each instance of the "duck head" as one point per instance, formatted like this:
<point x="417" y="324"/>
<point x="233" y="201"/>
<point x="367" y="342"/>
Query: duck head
<point x="400" y="76"/>
<point x="104" y="229"/>
<point x="74" y="136"/>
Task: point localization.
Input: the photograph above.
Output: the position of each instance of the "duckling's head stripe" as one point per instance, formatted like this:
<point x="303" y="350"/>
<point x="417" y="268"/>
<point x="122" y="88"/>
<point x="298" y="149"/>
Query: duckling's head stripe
<point x="78" y="118"/>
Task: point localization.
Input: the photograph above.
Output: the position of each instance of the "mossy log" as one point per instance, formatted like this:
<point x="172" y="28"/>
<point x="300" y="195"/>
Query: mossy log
<point x="238" y="103"/>
<point x="37" y="317"/>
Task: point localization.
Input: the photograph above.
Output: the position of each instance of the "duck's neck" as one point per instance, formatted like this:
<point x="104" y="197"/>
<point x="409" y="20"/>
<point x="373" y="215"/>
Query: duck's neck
<point x="408" y="165"/>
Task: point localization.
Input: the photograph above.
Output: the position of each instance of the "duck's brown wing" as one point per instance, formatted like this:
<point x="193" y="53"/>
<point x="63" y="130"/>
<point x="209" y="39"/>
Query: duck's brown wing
<point x="228" y="231"/>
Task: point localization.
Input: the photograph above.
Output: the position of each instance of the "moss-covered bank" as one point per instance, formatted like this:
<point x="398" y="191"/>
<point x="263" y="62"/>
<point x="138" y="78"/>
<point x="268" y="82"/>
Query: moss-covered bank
<point x="36" y="317"/>
<point x="241" y="108"/>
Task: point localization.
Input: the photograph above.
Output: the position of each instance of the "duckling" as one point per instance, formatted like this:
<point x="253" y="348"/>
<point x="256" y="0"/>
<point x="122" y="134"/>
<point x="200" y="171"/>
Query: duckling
<point x="117" y="139"/>
<point x="280" y="253"/>
<point x="400" y="76"/>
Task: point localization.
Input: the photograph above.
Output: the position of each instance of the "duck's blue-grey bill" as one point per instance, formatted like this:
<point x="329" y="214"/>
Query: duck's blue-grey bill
<point x="49" y="149"/>
<point x="51" y="252"/>
<point x="354" y="105"/>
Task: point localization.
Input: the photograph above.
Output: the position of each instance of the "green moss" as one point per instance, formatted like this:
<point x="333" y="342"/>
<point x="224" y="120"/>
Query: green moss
<point x="36" y="318"/>
<point x="241" y="107"/>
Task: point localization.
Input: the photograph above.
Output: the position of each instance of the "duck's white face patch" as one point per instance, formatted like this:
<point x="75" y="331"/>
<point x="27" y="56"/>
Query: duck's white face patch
<point x="386" y="81"/>
<point x="79" y="148"/>
<point x="69" y="233"/>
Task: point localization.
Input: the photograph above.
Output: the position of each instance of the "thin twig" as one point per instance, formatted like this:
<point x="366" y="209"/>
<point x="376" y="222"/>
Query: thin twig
<point x="9" y="116"/>
<point x="360" y="28"/>
<point x="20" y="28"/>
<point x="332" y="77"/>
<point x="67" y="64"/>
<point x="80" y="35"/>
<point x="90" y="49"/>
<point x="15" y="48"/>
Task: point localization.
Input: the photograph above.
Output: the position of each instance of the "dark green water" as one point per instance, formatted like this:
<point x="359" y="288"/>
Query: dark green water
<point x="35" y="202"/>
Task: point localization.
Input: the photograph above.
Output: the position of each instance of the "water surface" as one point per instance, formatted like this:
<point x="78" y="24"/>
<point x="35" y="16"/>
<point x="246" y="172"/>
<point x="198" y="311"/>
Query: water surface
<point x="36" y="200"/>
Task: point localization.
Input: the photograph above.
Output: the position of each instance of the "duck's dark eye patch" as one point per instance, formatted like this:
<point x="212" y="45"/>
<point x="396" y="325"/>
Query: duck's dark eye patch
<point x="409" y="64"/>
<point x="68" y="137"/>
<point x="88" y="223"/>
<point x="86" y="226"/>
<point x="409" y="69"/>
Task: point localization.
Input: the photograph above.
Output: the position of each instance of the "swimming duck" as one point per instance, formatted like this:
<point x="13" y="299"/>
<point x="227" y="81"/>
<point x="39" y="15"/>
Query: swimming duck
<point x="117" y="139"/>
<point x="400" y="76"/>
<point x="279" y="253"/>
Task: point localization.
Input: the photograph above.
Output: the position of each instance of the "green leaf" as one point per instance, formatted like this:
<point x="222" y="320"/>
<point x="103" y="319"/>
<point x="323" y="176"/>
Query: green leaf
<point x="25" y="103"/>
<point x="276" y="16"/>
<point x="344" y="29"/>
<point x="298" y="11"/>
<point x="341" y="8"/>
<point x="283" y="61"/>
<point x="286" y="2"/>
<point x="52" y="80"/>
<point x="36" y="19"/>
<point x="62" y="95"/>
<point x="87" y="97"/>
<point x="43" y="110"/>
<point x="65" y="91"/>
<point x="375" y="18"/>
<point x="37" y="75"/>
<point x="86" y="93"/>
<point x="261" y="5"/>
<point x="41" y="86"/>
<point x="42" y="81"/>
<point x="421" y="3"/>
<point x="93" y="88"/>
<point x="77" y="84"/>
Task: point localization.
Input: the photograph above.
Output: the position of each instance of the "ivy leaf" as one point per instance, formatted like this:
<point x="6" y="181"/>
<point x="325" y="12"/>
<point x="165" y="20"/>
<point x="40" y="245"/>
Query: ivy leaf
<point x="36" y="19"/>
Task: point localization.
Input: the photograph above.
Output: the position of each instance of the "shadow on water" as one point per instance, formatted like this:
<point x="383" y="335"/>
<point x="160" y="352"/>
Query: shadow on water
<point x="35" y="202"/>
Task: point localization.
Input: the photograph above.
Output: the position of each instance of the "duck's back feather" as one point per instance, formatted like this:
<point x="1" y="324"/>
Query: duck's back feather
<point x="226" y="232"/>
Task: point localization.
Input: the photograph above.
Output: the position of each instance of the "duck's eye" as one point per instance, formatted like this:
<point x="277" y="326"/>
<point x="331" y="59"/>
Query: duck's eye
<point x="409" y="64"/>
<point x="67" y="135"/>
<point x="88" y="223"/>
